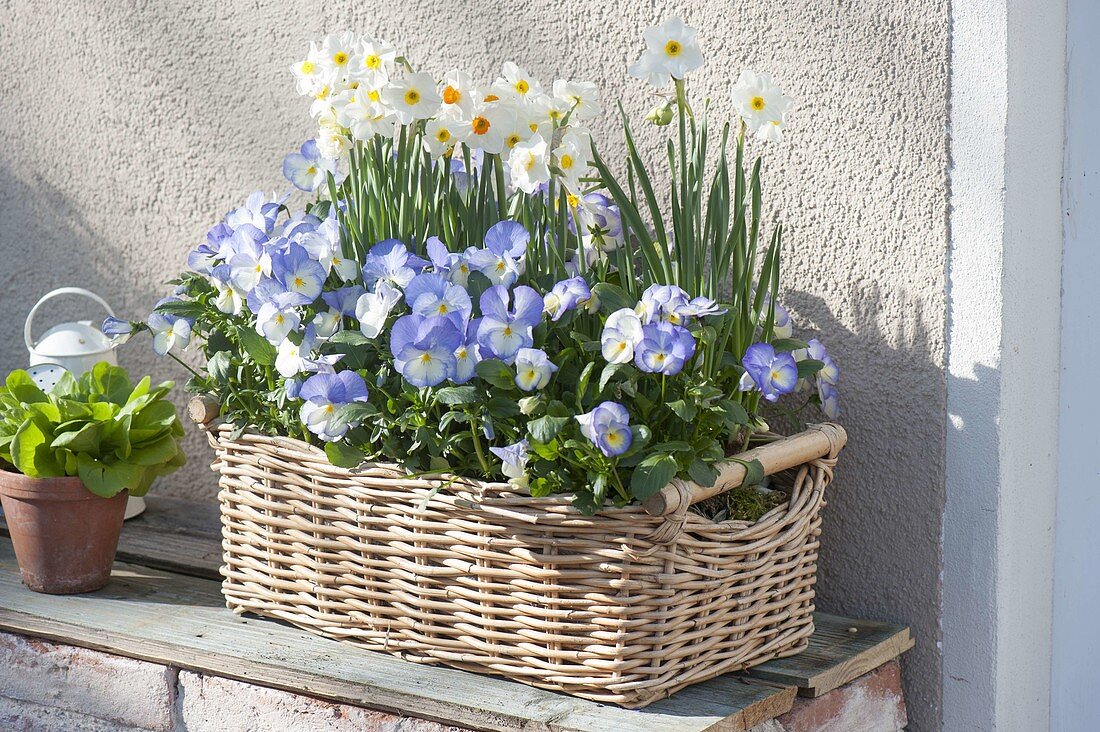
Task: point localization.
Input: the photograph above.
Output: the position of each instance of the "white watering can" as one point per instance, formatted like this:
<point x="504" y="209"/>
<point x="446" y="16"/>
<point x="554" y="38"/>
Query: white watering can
<point x="73" y="347"/>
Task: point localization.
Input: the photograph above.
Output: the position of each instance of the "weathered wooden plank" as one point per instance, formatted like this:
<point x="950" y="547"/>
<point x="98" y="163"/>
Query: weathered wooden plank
<point x="181" y="621"/>
<point x="173" y="534"/>
<point x="841" y="649"/>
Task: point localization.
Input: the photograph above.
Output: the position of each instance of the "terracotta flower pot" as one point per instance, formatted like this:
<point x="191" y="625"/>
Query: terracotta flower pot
<point x="64" y="535"/>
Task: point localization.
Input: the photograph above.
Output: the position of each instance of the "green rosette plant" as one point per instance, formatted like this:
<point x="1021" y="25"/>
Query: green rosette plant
<point x="102" y="428"/>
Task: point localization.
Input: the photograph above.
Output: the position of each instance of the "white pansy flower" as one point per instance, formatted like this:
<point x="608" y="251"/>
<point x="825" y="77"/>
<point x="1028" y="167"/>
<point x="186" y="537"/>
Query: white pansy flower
<point x="760" y="103"/>
<point x="169" y="332"/>
<point x="529" y="164"/>
<point x="583" y="97"/>
<point x="621" y="333"/>
<point x="373" y="308"/>
<point x="412" y="99"/>
<point x="327" y="322"/>
<point x="275" y="322"/>
<point x="458" y="92"/>
<point x="671" y="51"/>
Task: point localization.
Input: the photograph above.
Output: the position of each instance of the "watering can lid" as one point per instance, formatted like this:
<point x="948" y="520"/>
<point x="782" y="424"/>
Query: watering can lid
<point x="72" y="339"/>
<point x="68" y="339"/>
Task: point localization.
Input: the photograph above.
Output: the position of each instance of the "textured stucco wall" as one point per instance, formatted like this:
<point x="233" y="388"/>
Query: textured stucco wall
<point x="126" y="131"/>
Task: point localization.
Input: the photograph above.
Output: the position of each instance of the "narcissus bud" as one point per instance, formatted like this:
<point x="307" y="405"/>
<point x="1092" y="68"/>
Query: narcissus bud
<point x="660" y="115"/>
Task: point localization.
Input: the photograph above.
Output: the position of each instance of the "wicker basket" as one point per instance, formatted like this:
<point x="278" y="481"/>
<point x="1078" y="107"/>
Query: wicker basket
<point x="623" y="607"/>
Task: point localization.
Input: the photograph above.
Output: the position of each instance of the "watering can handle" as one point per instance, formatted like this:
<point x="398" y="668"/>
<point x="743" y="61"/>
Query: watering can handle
<point x="55" y="293"/>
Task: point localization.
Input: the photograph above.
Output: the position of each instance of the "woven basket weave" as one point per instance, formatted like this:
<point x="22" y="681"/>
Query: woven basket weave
<point x="621" y="607"/>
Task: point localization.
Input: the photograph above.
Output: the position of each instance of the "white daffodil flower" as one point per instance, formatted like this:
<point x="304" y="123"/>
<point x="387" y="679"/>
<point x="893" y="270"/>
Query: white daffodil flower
<point x="366" y="115"/>
<point x="760" y="103"/>
<point x="458" y="92"/>
<point x="486" y="126"/>
<point x="413" y="98"/>
<point x="583" y="97"/>
<point x="529" y="164"/>
<point x="336" y="53"/>
<point x="308" y="73"/>
<point x="671" y="51"/>
<point x="373" y="63"/>
<point x="516" y="84"/>
<point x="442" y="133"/>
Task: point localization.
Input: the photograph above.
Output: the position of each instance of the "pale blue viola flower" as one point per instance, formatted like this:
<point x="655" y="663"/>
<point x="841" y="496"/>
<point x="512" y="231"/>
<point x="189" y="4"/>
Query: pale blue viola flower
<point x="622" y="333"/>
<point x="443" y="259"/>
<point x="782" y="325"/>
<point x="323" y="245"/>
<point x="228" y="298"/>
<point x="424" y="349"/>
<point x="324" y="394"/>
<point x="327" y="323"/>
<point x="773" y="374"/>
<point x="664" y="348"/>
<point x="662" y="303"/>
<point x="513" y="459"/>
<point x="566" y="295"/>
<point x="463" y="177"/>
<point x="298" y="273"/>
<point x="343" y="299"/>
<point x="391" y="261"/>
<point x="431" y="294"/>
<point x="815" y="350"/>
<point x="533" y="369"/>
<point x="600" y="221"/>
<point x="249" y="261"/>
<point x="294" y="358"/>
<point x="257" y="211"/>
<point x="608" y="428"/>
<point x="278" y="318"/>
<point x="307" y="169"/>
<point x="119" y="331"/>
<point x="830" y="399"/>
<point x="301" y="224"/>
<point x="373" y="308"/>
<point x="699" y="307"/>
<point x="501" y="259"/>
<point x="169" y="332"/>
<point x="215" y="249"/>
<point x="504" y="331"/>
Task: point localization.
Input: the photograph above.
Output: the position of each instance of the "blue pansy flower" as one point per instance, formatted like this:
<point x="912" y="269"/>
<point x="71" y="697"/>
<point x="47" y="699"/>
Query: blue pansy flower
<point x="608" y="427"/>
<point x="505" y="244"/>
<point x="773" y="374"/>
<point x="391" y="261"/>
<point x="424" y="349"/>
<point x="249" y="260"/>
<point x="299" y="273"/>
<point x="533" y="369"/>
<point x="307" y="169"/>
<point x="257" y="211"/>
<point x="324" y="394"/>
<point x="431" y="294"/>
<point x="513" y="459"/>
<point x="504" y="331"/>
<point x="467" y="354"/>
<point x="215" y="248"/>
<point x="664" y="348"/>
<point x="343" y="300"/>
<point x="566" y="295"/>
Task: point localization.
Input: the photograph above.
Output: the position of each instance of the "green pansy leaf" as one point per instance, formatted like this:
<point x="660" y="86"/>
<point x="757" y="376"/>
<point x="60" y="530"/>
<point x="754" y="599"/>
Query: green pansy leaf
<point x="457" y="395"/>
<point x="683" y="410"/>
<point x="545" y="429"/>
<point x="344" y="456"/>
<point x="256" y="346"/>
<point x="735" y="413"/>
<point x="350" y="337"/>
<point x="784" y="345"/>
<point x="612" y="297"/>
<point x="180" y="308"/>
<point x="497" y="373"/>
<point x="702" y="473"/>
<point x="652" y="474"/>
<point x="809" y="367"/>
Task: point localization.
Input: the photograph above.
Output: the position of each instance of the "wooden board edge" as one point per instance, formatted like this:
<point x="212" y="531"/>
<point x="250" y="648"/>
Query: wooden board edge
<point x="776" y="705"/>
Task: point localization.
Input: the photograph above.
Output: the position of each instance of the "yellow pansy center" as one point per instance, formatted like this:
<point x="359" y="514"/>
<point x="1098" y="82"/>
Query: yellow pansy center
<point x="279" y="319"/>
<point x="412" y="96"/>
<point x="311" y="170"/>
<point x="757" y="103"/>
<point x="673" y="48"/>
<point x="451" y="95"/>
<point x="339" y="58"/>
<point x="299" y="282"/>
<point x="443" y="309"/>
<point x="480" y="125"/>
<point x="613" y="438"/>
<point x="329" y="408"/>
<point x="507" y="331"/>
<point x="425" y="358"/>
<point x="774" y="374"/>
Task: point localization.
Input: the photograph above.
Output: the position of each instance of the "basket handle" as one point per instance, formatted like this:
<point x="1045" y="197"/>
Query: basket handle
<point x="820" y="440"/>
<point x="56" y="293"/>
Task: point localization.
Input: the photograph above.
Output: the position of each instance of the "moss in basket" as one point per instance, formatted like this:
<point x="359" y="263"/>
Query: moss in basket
<point x="110" y="433"/>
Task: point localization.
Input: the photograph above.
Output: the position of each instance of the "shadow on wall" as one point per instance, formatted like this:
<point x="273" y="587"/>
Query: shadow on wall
<point x="46" y="242"/>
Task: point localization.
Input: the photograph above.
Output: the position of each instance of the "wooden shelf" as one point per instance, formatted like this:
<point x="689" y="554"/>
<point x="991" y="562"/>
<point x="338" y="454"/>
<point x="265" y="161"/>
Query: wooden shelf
<point x="164" y="605"/>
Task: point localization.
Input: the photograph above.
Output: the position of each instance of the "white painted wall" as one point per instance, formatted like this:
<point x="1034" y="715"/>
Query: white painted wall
<point x="1004" y="264"/>
<point x="1075" y="680"/>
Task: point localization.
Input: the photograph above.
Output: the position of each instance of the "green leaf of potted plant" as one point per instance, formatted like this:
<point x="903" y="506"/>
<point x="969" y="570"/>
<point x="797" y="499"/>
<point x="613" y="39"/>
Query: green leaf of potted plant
<point x="68" y="459"/>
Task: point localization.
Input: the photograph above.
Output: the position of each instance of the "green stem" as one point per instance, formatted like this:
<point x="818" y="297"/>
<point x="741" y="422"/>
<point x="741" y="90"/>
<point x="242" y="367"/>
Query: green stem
<point x="177" y="359"/>
<point x="477" y="445"/>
